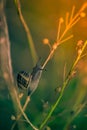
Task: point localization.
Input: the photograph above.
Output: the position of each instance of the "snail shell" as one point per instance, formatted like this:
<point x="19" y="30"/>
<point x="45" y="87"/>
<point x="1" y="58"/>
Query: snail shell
<point x="23" y="79"/>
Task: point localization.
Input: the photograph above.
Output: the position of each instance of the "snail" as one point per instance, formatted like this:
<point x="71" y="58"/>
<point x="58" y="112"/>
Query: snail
<point x="29" y="81"/>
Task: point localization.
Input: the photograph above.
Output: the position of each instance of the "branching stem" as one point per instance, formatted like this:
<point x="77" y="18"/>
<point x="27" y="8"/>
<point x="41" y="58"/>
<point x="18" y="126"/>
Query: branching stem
<point x="63" y="88"/>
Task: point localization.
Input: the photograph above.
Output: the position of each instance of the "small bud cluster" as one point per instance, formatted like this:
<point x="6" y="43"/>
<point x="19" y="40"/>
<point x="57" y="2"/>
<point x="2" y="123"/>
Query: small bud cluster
<point x="79" y="47"/>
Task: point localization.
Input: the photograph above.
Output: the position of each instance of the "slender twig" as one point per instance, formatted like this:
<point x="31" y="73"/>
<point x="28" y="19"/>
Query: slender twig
<point x="22" y="111"/>
<point x="67" y="19"/>
<point x="66" y="39"/>
<point x="18" y="117"/>
<point x="59" y="28"/>
<point x="72" y="13"/>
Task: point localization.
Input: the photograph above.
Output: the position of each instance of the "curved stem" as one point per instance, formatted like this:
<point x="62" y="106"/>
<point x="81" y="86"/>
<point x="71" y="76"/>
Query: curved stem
<point x="18" y="117"/>
<point x="22" y="111"/>
<point x="55" y="105"/>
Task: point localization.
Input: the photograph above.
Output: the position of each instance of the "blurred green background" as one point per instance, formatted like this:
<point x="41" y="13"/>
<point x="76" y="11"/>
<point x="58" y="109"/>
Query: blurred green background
<point x="42" y="18"/>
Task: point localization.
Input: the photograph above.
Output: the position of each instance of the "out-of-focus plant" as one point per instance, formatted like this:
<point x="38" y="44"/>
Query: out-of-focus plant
<point x="5" y="64"/>
<point x="70" y="21"/>
<point x="27" y="30"/>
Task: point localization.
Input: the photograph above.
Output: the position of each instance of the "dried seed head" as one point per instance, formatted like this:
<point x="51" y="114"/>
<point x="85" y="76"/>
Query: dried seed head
<point x="45" y="41"/>
<point x="79" y="46"/>
<point x="79" y="51"/>
<point x="82" y="14"/>
<point x="80" y="43"/>
<point x="61" y="20"/>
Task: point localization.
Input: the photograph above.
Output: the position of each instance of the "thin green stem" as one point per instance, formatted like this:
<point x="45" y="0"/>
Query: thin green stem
<point x="55" y="105"/>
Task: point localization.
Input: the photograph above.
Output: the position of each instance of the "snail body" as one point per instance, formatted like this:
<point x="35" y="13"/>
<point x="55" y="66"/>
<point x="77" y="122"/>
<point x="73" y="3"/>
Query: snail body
<point x="35" y="78"/>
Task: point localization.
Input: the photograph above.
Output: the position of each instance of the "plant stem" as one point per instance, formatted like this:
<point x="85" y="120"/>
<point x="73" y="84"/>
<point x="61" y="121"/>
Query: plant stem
<point x="22" y="111"/>
<point x="55" y="105"/>
<point x="48" y="58"/>
<point x="18" y="117"/>
<point x="63" y="87"/>
<point x="80" y="55"/>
